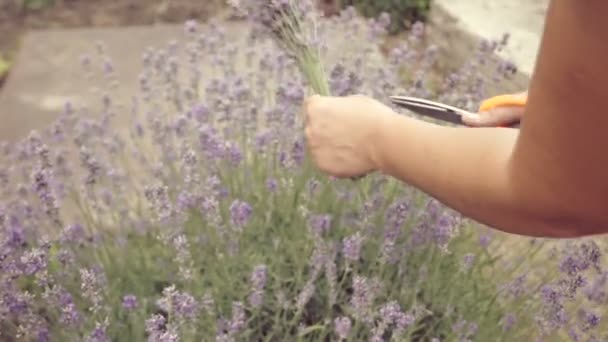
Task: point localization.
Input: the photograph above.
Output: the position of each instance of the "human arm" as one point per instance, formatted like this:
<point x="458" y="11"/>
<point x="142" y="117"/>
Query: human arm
<point x="546" y="179"/>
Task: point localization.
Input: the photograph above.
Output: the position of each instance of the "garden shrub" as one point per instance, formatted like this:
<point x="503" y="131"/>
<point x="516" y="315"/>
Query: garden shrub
<point x="403" y="13"/>
<point x="201" y="220"/>
<point x="36" y="4"/>
<point x="4" y="68"/>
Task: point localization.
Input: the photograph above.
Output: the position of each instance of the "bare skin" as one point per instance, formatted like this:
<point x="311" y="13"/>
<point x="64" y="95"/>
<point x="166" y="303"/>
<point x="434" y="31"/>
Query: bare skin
<point x="548" y="179"/>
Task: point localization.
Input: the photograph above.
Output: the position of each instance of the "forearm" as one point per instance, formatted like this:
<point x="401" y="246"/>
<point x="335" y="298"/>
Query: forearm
<point x="468" y="169"/>
<point x="547" y="179"/>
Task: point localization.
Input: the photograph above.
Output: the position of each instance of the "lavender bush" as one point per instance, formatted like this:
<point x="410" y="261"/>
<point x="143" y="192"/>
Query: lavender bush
<point x="199" y="221"/>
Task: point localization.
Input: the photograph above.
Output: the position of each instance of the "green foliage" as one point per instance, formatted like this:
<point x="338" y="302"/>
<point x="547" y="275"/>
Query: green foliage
<point x="403" y="12"/>
<point x="433" y="282"/>
<point x="4" y="67"/>
<point x="36" y="4"/>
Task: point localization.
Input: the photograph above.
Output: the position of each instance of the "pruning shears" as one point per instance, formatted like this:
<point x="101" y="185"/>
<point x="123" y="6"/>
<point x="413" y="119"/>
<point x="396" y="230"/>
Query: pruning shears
<point x="452" y="114"/>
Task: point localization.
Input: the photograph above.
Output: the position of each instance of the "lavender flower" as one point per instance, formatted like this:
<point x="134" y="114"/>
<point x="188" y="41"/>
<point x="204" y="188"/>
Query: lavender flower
<point x="391" y="313"/>
<point x="230" y="329"/>
<point x="92" y="285"/>
<point x="129" y="302"/>
<point x="332" y="278"/>
<point x="73" y="234"/>
<point x="99" y="333"/>
<point x="364" y="294"/>
<point x="468" y="260"/>
<point x="343" y="326"/>
<point x="508" y="321"/>
<point x="596" y="291"/>
<point x="352" y="247"/>
<point x="305" y="295"/>
<point x="155" y="326"/>
<point x="258" y="282"/>
<point x="485" y="240"/>
<point x="34" y="261"/>
<point x="320" y="224"/>
<point x="343" y="82"/>
<point x="271" y="184"/>
<point x="191" y="26"/>
<point x="182" y="306"/>
<point x="588" y="319"/>
<point x="183" y="257"/>
<point x="240" y="213"/>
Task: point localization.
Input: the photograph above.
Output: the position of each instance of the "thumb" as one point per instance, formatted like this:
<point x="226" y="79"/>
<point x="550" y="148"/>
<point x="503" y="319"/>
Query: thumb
<point x="500" y="116"/>
<point x="310" y="105"/>
<point x="313" y="97"/>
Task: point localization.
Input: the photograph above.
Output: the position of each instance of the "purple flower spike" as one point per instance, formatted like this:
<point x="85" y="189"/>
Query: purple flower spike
<point x="343" y="326"/>
<point x="191" y="26"/>
<point x="240" y="213"/>
<point x="320" y="224"/>
<point x="468" y="261"/>
<point x="352" y="247"/>
<point x="99" y="333"/>
<point x="258" y="282"/>
<point x="129" y="302"/>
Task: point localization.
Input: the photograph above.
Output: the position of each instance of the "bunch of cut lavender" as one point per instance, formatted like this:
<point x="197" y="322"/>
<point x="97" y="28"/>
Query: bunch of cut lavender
<point x="293" y="26"/>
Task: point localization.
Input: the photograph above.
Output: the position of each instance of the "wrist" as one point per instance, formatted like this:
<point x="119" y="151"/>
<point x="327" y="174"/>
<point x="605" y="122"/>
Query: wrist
<point x="380" y="140"/>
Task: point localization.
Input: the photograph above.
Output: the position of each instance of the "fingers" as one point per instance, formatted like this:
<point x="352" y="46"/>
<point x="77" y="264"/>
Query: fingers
<point x="501" y="116"/>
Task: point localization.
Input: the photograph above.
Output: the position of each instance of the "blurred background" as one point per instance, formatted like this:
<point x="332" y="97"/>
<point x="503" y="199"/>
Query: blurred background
<point x="19" y="16"/>
<point x="486" y="18"/>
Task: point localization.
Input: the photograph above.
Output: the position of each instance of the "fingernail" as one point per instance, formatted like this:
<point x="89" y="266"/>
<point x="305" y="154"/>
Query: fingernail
<point x="471" y="118"/>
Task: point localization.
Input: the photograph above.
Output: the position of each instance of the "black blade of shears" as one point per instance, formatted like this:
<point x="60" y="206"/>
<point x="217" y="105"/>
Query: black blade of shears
<point x="444" y="113"/>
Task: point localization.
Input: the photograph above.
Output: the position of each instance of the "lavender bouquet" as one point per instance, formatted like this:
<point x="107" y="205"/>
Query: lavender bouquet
<point x="183" y="212"/>
<point x="293" y="25"/>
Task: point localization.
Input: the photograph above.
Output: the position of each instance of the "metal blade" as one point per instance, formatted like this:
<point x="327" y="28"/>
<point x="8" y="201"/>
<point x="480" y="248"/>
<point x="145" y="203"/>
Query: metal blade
<point x="428" y="108"/>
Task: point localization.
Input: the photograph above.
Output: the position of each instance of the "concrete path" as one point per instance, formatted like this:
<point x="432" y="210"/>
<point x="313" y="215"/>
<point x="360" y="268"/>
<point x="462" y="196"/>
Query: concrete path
<point x="523" y="19"/>
<point x="48" y="72"/>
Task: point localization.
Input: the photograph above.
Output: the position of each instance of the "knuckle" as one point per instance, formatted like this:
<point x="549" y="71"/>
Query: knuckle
<point x="308" y="132"/>
<point x="312" y="106"/>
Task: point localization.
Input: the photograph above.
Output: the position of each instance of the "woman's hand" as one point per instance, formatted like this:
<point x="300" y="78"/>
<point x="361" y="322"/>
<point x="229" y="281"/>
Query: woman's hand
<point x="499" y="116"/>
<point x="341" y="133"/>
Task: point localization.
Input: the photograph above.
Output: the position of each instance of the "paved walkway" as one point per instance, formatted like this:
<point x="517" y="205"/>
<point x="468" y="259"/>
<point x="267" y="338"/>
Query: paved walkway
<point x="48" y="72"/>
<point x="523" y="19"/>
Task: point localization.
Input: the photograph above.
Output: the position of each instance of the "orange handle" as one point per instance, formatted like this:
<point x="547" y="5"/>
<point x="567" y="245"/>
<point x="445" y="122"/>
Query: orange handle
<point x="503" y="100"/>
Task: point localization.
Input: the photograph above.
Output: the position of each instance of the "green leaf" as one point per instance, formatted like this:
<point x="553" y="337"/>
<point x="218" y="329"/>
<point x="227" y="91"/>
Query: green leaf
<point x="5" y="66"/>
<point x="37" y="4"/>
